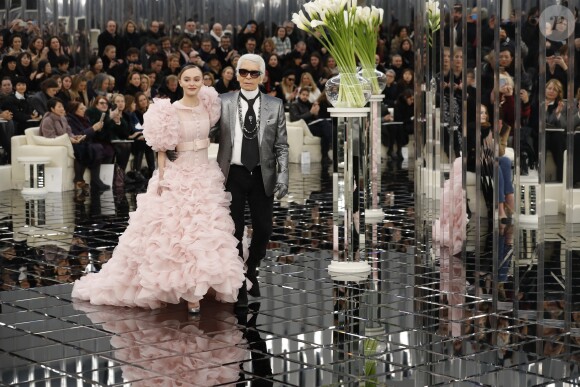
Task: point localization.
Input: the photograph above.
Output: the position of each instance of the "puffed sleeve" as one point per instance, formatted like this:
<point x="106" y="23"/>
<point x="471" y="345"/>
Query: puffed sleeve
<point x="210" y="99"/>
<point x="161" y="126"/>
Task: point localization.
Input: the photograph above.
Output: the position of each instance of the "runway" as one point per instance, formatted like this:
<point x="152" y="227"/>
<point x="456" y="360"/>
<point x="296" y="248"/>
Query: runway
<point x="419" y="319"/>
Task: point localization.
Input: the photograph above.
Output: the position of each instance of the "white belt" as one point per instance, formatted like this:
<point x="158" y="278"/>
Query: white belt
<point x="193" y="145"/>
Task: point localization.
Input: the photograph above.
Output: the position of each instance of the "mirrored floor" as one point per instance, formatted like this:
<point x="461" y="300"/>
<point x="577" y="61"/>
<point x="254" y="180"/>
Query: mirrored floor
<point x="420" y="319"/>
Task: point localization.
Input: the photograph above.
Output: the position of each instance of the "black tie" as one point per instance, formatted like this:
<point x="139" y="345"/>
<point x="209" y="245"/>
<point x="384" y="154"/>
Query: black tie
<point x="250" y="147"/>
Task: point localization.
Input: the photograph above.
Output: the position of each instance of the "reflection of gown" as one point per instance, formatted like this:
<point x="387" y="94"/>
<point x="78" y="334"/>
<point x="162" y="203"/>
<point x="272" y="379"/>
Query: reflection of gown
<point x="165" y="349"/>
<point x="180" y="243"/>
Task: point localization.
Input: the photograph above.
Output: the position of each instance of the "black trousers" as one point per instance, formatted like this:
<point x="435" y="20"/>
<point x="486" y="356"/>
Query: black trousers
<point x="248" y="187"/>
<point x="322" y="129"/>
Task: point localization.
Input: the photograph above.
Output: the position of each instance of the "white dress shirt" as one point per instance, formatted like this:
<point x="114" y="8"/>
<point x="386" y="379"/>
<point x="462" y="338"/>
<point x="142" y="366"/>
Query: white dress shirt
<point x="238" y="135"/>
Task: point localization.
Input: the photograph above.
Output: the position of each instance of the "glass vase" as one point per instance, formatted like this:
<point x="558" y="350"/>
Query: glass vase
<point x="377" y="78"/>
<point x="348" y="90"/>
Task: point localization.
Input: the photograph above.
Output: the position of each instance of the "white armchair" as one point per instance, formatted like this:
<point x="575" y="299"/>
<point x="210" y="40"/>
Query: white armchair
<point x="32" y="144"/>
<point x="300" y="139"/>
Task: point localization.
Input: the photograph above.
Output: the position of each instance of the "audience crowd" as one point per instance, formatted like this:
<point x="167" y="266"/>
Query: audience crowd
<point x="143" y="61"/>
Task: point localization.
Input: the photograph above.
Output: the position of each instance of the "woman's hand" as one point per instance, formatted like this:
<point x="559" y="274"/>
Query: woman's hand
<point x="559" y="108"/>
<point x="506" y="90"/>
<point x="98" y="126"/>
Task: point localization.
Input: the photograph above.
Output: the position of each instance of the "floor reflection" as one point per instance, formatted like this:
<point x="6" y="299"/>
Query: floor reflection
<point x="504" y="312"/>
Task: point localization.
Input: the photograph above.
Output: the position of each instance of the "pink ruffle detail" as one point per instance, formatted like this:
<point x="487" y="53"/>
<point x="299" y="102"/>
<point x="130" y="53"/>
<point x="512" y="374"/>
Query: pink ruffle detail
<point x="157" y="352"/>
<point x="160" y="125"/>
<point x="449" y="230"/>
<point x="210" y="99"/>
<point x="177" y="245"/>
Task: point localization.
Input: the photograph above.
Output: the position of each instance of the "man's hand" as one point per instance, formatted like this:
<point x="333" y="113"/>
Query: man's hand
<point x="171" y="155"/>
<point x="281" y="189"/>
<point x="6" y="115"/>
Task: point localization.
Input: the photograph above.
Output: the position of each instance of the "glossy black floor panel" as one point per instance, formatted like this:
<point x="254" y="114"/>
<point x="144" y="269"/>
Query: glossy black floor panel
<point x="408" y="324"/>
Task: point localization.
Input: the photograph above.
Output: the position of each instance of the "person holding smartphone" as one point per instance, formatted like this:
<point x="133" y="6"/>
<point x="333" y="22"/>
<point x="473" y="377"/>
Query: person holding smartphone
<point x="54" y="124"/>
<point x="89" y="154"/>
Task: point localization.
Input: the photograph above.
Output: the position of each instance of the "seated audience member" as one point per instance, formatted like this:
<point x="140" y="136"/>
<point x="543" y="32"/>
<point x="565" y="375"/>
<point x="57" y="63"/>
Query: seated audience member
<point x="391" y="91"/>
<point x="142" y="105"/>
<point x="99" y="111"/>
<point x="227" y="82"/>
<point x="65" y="86"/>
<point x="55" y="124"/>
<point x="303" y="109"/>
<point x="274" y="69"/>
<point x="89" y="153"/>
<point x="171" y="89"/>
<point x="23" y="112"/>
<point x="307" y="82"/>
<point x="99" y="86"/>
<point x="133" y="83"/>
<point x="39" y="100"/>
<point x="404" y="113"/>
<point x="78" y="89"/>
<point x="287" y="90"/>
<point x="120" y="131"/>
<point x="42" y="73"/>
<point x="140" y="147"/>
<point x="505" y="186"/>
<point x="208" y="79"/>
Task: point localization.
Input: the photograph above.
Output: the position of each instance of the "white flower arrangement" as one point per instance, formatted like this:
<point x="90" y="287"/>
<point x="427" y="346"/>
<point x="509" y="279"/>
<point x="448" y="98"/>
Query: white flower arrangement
<point x="367" y="23"/>
<point x="333" y="23"/>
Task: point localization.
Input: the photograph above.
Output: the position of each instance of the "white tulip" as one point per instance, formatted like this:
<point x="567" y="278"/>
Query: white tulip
<point x="301" y="21"/>
<point x="377" y="14"/>
<point x="311" y="9"/>
<point x="433" y="7"/>
<point x="317" y="23"/>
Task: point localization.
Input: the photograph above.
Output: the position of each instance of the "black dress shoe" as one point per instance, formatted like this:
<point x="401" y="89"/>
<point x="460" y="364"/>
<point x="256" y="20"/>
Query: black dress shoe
<point x="242" y="297"/>
<point x="255" y="290"/>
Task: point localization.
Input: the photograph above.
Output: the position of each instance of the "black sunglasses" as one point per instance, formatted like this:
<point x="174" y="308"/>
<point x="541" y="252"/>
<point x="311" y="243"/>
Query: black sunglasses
<point x="254" y="73"/>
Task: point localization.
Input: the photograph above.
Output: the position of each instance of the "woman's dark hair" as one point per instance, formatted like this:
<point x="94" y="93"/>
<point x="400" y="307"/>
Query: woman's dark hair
<point x="93" y="60"/>
<point x="47" y="44"/>
<point x="16" y="35"/>
<point x="31" y="44"/>
<point x="407" y="93"/>
<point x="42" y="65"/>
<point x="48" y="84"/>
<point x="72" y="107"/>
<point x="23" y="54"/>
<point x="51" y="104"/>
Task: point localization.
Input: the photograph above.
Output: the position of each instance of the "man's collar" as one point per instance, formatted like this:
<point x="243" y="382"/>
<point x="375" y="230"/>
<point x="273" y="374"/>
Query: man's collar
<point x="250" y="94"/>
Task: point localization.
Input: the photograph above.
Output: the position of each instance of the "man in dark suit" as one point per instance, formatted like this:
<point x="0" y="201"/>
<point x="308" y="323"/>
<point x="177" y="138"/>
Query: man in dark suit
<point x="109" y="37"/>
<point x="253" y="156"/>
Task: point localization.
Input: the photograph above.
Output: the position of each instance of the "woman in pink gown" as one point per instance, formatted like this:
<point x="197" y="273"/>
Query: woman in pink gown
<point x="180" y="241"/>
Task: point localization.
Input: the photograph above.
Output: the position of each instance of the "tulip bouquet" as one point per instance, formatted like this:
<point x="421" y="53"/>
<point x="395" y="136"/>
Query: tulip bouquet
<point x="367" y="22"/>
<point x="332" y="22"/>
<point x="433" y="20"/>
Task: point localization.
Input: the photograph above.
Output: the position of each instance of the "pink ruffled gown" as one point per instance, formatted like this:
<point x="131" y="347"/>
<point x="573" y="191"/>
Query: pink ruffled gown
<point x="181" y="243"/>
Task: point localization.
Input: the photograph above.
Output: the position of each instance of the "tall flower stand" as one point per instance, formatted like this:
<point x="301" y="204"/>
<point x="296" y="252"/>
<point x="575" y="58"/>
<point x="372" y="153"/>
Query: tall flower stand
<point x="349" y="193"/>
<point x="374" y="213"/>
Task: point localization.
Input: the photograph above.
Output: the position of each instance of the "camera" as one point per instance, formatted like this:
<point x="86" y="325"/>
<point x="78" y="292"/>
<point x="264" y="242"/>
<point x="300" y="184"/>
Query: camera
<point x="113" y="106"/>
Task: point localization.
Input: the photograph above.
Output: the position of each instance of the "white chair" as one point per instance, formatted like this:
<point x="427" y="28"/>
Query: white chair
<point x="300" y="139"/>
<point x="59" y="150"/>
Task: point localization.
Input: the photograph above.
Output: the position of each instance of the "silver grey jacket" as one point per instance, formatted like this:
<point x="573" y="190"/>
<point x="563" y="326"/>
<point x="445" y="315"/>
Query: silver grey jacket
<point x="271" y="136"/>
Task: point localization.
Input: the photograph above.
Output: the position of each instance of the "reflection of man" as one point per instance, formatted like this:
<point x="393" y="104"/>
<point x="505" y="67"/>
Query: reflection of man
<point x="253" y="155"/>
